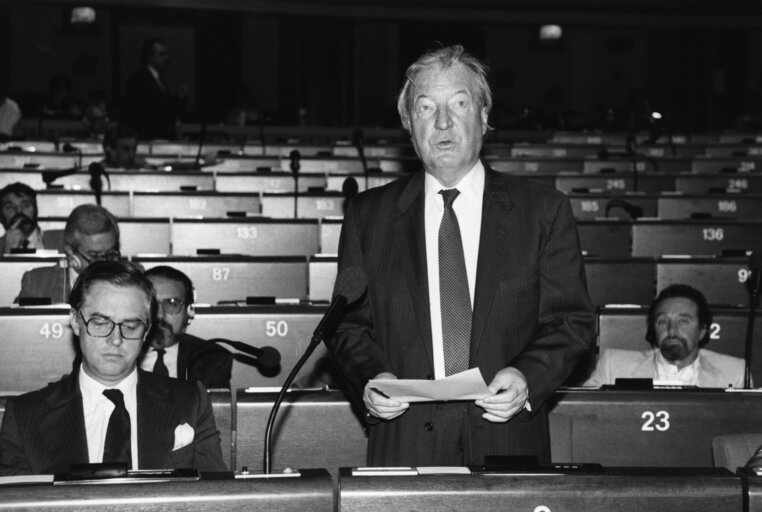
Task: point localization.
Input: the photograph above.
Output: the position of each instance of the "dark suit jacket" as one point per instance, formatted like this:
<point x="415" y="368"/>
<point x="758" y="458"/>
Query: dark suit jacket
<point x="531" y="311"/>
<point x="44" y="431"/>
<point x="209" y="363"/>
<point x="46" y="282"/>
<point x="148" y="108"/>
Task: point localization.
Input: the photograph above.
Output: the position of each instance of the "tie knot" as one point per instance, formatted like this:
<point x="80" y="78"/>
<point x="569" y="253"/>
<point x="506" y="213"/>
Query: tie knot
<point x="161" y="352"/>
<point x="449" y="195"/>
<point x="115" y="396"/>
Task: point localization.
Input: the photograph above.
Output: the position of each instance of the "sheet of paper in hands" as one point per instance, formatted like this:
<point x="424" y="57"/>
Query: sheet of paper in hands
<point x="468" y="385"/>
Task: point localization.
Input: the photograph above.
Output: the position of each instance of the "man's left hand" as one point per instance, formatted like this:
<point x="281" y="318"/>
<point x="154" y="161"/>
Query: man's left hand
<point x="510" y="393"/>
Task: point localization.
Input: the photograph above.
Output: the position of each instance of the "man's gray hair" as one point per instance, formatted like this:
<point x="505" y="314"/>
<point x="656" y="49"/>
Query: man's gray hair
<point x="443" y="58"/>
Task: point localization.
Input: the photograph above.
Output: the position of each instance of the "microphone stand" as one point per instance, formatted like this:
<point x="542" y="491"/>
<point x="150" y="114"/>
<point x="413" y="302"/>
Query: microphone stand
<point x="754" y="265"/>
<point x="317" y="338"/>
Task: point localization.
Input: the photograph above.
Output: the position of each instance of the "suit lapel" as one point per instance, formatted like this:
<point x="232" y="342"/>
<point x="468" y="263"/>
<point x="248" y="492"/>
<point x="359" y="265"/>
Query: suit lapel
<point x="157" y="420"/>
<point x="63" y="428"/>
<point x="410" y="237"/>
<point x="493" y="253"/>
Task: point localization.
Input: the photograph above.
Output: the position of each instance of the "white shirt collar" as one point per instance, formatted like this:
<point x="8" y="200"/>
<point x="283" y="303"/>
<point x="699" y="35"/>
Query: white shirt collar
<point x="471" y="186"/>
<point x="92" y="389"/>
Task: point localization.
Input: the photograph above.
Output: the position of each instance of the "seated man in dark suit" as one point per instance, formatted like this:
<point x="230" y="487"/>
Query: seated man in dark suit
<point x="174" y="352"/>
<point x="108" y="410"/>
<point x="91" y="234"/>
<point x="120" y="147"/>
<point x="679" y="321"/>
<point x="18" y="208"/>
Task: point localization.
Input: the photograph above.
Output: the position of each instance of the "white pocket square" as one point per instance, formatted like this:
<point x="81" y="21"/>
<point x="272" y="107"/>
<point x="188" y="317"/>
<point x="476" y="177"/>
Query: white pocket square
<point x="183" y="436"/>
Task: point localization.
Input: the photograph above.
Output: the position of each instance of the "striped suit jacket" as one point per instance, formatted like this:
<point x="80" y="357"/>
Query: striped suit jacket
<point x="531" y="311"/>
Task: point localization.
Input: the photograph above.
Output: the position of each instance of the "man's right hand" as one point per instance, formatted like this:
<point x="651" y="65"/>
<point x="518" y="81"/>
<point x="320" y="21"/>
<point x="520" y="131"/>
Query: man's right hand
<point x="380" y="406"/>
<point x="13" y="238"/>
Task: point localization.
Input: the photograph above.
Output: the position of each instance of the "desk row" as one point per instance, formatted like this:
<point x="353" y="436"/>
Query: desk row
<point x="38" y="345"/>
<point x="305" y="237"/>
<point x="662" y="428"/>
<point x="586" y="206"/>
<point x="220" y="279"/>
<point x="266" y="181"/>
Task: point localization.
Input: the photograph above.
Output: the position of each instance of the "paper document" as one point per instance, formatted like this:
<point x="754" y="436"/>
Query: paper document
<point x="468" y="385"/>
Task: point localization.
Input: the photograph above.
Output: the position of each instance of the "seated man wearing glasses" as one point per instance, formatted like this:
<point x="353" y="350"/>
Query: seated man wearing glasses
<point x="107" y="410"/>
<point x="91" y="234"/>
<point x="174" y="352"/>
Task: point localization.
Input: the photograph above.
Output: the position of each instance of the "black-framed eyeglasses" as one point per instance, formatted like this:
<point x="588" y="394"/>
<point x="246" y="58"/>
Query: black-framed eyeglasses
<point x="112" y="254"/>
<point x="103" y="327"/>
<point x="172" y="305"/>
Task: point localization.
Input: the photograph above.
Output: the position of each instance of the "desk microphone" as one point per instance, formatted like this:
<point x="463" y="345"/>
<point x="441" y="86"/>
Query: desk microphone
<point x="267" y="357"/>
<point x="295" y="165"/>
<point x="96" y="171"/>
<point x="755" y="264"/>
<point x="350" y="286"/>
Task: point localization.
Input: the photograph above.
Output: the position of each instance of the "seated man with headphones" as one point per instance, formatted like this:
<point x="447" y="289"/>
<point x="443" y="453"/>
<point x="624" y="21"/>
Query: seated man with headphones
<point x="678" y="330"/>
<point x="91" y="234"/>
<point x="172" y="351"/>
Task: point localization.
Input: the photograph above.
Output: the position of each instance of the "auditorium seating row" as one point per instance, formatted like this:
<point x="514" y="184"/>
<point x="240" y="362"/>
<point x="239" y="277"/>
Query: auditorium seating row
<point x="219" y="279"/>
<point x="311" y="204"/>
<point x="38" y="344"/>
<point x="654" y="428"/>
<point x="304" y="237"/>
<point x="284" y="182"/>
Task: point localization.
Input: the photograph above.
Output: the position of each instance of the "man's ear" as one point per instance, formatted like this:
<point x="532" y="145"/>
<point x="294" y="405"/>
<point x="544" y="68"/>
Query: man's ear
<point x="73" y="314"/>
<point x="191" y="313"/>
<point x="485" y="116"/>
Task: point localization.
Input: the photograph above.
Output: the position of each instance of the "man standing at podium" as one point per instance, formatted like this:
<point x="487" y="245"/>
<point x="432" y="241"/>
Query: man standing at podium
<point x="466" y="268"/>
<point x="107" y="410"/>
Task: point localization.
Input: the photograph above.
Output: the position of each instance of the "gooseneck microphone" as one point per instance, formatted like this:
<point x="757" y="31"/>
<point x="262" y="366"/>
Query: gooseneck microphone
<point x="350" y="286"/>
<point x="96" y="171"/>
<point x="267" y="357"/>
<point x="755" y="265"/>
<point x="295" y="165"/>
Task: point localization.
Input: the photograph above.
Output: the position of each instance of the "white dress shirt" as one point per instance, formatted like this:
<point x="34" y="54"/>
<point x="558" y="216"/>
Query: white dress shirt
<point x="170" y="360"/>
<point x="667" y="373"/>
<point x="468" y="208"/>
<point x="97" y="409"/>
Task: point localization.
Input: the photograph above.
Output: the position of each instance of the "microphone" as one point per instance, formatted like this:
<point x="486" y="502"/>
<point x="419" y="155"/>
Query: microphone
<point x="267" y="357"/>
<point x="755" y="265"/>
<point x="96" y="170"/>
<point x="351" y="284"/>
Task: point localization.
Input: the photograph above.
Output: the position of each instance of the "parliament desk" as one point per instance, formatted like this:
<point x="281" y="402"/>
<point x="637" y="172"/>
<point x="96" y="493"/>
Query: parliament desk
<point x="33" y="179"/>
<point x="625" y="328"/>
<point x="60" y="203"/>
<point x="309" y="205"/>
<point x="136" y="235"/>
<point x="46" y="161"/>
<point x="712" y="165"/>
<point x="312" y="427"/>
<point x="193" y="204"/>
<point x="151" y="181"/>
<point x="311" y="489"/>
<point x="285" y="328"/>
<point x="603" y="205"/>
<point x="649" y="183"/>
<point x="613" y="489"/>
<point x="605" y="237"/>
<point x="546" y="151"/>
<point x="266" y="181"/>
<point x="253" y="237"/>
<point x="519" y="165"/>
<point x="12" y="268"/>
<point x="663" y="427"/>
<point x="721" y="280"/>
<point x="732" y="205"/>
<point x="708" y="183"/>
<point x="620" y="280"/>
<point x="38" y="343"/>
<point x="223" y="279"/>
<point x="695" y="237"/>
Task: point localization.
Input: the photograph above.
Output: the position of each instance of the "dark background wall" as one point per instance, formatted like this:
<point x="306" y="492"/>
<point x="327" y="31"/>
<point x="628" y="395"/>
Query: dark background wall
<point x="334" y="64"/>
